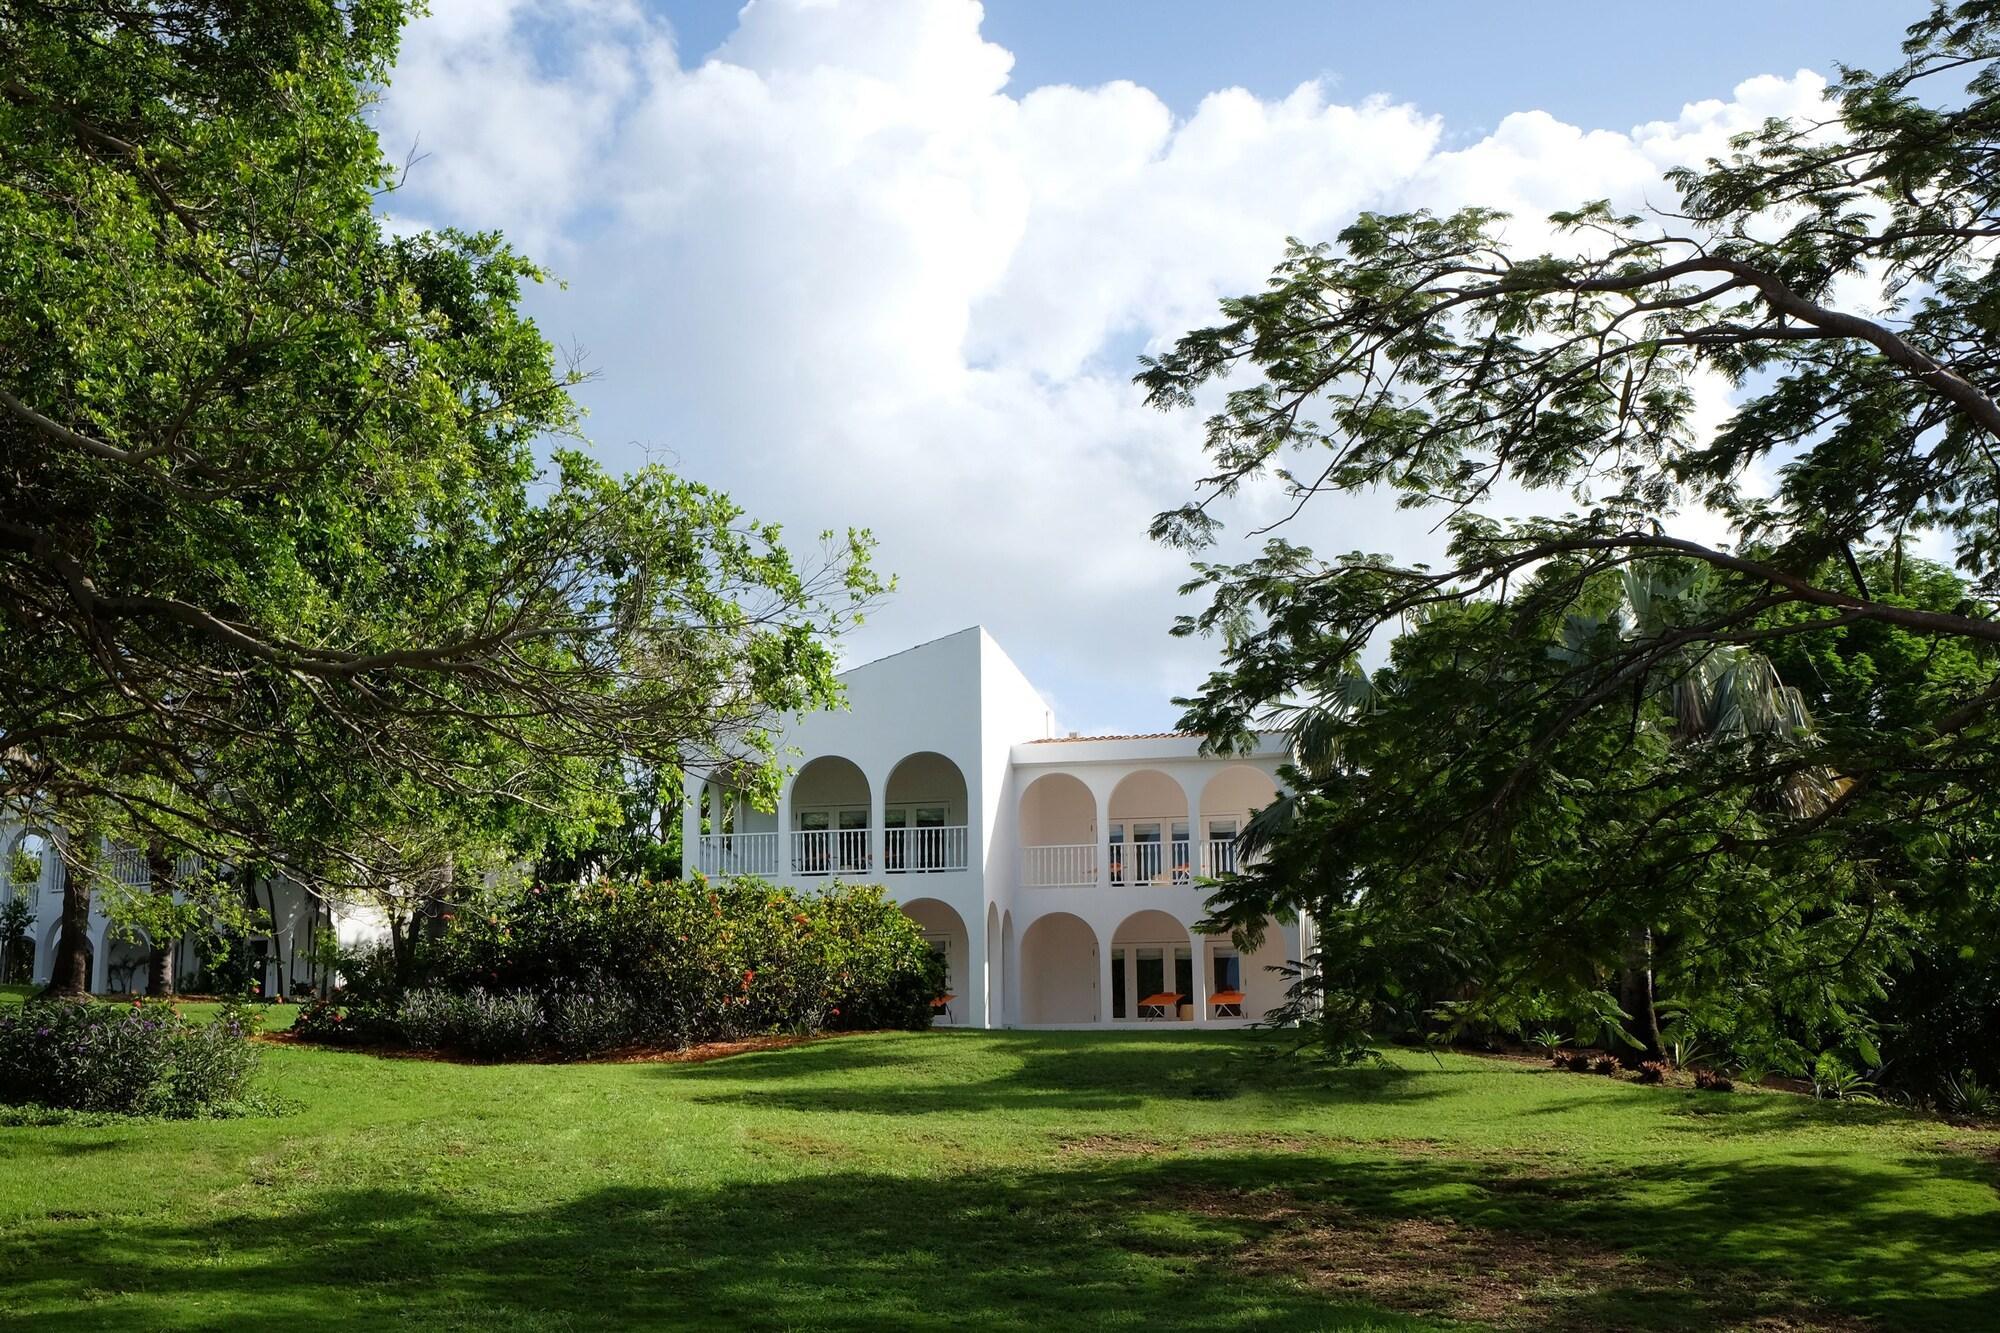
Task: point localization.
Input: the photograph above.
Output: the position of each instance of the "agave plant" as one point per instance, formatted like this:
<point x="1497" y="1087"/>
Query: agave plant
<point x="1965" y="1096"/>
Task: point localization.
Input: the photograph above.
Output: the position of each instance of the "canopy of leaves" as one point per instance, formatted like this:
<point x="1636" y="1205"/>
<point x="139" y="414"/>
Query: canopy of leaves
<point x="287" y="572"/>
<point x="1777" y="760"/>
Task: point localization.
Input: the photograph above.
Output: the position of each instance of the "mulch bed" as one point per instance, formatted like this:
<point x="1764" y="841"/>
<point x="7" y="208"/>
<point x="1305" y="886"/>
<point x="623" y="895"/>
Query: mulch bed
<point x="623" y="1055"/>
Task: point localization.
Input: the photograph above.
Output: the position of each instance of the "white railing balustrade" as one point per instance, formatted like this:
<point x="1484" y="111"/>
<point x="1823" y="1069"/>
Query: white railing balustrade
<point x="922" y="850"/>
<point x="1062" y="866"/>
<point x="1222" y="858"/>
<point x="1135" y="863"/>
<point x="830" y="851"/>
<point x="127" y="865"/>
<point x="727" y="854"/>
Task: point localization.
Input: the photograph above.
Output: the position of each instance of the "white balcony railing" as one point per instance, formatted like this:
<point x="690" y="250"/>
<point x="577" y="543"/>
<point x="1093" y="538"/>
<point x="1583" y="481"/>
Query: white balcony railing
<point x="922" y="850"/>
<point x="1151" y="863"/>
<point x="830" y="851"/>
<point x="1222" y="857"/>
<point x="1062" y="866"/>
<point x="738" y="854"/>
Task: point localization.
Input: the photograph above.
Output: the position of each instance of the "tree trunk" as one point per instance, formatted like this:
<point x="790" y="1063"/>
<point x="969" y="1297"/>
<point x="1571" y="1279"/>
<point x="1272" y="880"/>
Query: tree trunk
<point x="1636" y="994"/>
<point x="69" y="974"/>
<point x="160" y="962"/>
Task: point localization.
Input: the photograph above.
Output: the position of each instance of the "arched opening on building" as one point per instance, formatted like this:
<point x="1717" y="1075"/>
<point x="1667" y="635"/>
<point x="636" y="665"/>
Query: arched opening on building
<point x="1152" y="969"/>
<point x="1228" y="799"/>
<point x="26" y="866"/>
<point x="1059" y="970"/>
<point x="944" y="930"/>
<point x="126" y="964"/>
<point x="17" y="968"/>
<point x="1058" y="833"/>
<point x="996" y="969"/>
<point x="829" y="833"/>
<point x="1148" y="841"/>
<point x="732" y="836"/>
<point x="925" y="827"/>
<point x="1010" y="972"/>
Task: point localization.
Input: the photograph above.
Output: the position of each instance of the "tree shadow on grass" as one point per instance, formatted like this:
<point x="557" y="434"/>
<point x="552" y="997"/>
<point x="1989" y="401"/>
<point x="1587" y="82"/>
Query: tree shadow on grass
<point x="1084" y="1071"/>
<point x="1239" y="1240"/>
<point x="839" y="1251"/>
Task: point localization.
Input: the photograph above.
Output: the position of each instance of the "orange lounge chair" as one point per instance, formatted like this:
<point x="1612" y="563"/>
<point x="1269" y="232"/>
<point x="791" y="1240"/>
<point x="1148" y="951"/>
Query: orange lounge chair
<point x="1228" y="1003"/>
<point x="944" y="1002"/>
<point x="1159" y="1004"/>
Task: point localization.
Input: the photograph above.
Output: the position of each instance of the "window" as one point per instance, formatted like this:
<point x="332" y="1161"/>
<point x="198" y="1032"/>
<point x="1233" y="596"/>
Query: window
<point x="1184" y="973"/>
<point x="913" y="841"/>
<point x="831" y="838"/>
<point x="1222" y="846"/>
<point x="1118" y="984"/>
<point x="1152" y="972"/>
<point x="1228" y="972"/>
<point x="853" y="840"/>
<point x="941" y="946"/>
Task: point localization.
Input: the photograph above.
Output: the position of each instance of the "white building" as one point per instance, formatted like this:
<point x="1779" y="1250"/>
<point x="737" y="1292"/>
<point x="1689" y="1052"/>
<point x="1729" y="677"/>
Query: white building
<point x="285" y="960"/>
<point x="1060" y="875"/>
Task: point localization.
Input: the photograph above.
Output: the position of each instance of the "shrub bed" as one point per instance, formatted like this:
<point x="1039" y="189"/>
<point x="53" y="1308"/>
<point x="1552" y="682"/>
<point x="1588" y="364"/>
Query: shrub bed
<point x="576" y="970"/>
<point x="137" y="1059"/>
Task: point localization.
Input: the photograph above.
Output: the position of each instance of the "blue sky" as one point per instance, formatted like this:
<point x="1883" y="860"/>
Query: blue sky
<point x="1608" y="63"/>
<point x="888" y="263"/>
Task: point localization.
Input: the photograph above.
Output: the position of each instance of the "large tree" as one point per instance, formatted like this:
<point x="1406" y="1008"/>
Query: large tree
<point x="288" y="573"/>
<point x="1840" y="276"/>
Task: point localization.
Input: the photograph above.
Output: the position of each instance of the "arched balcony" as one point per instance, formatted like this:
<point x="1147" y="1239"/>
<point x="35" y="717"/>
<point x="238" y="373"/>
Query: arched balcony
<point x="27" y="865"/>
<point x="830" y="809"/>
<point x="1058" y="833"/>
<point x="1147" y="840"/>
<point x="924" y="816"/>
<point x="1228" y="799"/>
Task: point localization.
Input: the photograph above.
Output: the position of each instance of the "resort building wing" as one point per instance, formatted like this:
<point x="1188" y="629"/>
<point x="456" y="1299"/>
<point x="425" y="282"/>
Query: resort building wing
<point x="1061" y="876"/>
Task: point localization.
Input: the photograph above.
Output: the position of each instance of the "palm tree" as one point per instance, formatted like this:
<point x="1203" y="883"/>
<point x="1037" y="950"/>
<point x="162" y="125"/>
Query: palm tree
<point x="1717" y="694"/>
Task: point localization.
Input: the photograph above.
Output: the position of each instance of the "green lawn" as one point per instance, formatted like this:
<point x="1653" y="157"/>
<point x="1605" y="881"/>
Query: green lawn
<point x="998" y="1180"/>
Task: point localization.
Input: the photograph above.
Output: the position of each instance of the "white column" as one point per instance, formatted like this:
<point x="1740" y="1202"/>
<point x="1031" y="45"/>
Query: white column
<point x="1103" y="836"/>
<point x="975" y="972"/>
<point x="1195" y="846"/>
<point x="785" y="828"/>
<point x="1200" y="994"/>
<point x="100" y="955"/>
<point x="691" y="823"/>
<point x="878" y="841"/>
<point x="1104" y="981"/>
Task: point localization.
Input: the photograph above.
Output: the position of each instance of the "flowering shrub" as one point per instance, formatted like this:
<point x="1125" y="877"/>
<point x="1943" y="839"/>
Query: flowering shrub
<point x="579" y="969"/>
<point x="142" y="1059"/>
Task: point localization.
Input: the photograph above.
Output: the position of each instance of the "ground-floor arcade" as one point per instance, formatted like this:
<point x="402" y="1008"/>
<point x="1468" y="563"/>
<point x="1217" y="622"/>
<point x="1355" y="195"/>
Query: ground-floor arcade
<point x="1063" y="968"/>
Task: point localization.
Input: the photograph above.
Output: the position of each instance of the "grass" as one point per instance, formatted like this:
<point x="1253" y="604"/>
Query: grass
<point x="999" y="1180"/>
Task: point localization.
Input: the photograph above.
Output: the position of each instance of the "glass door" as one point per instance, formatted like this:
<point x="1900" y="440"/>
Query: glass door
<point x="853" y="838"/>
<point x="1222" y="846"/>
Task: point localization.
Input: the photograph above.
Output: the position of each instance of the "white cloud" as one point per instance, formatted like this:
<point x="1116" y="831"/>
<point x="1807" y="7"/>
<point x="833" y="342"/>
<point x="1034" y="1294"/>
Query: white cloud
<point x="845" y="271"/>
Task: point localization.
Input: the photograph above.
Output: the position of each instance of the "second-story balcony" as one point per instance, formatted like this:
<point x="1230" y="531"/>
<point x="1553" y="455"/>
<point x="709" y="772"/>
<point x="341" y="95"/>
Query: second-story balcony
<point x="847" y="852"/>
<point x="1156" y="832"/>
<point x="842" y="825"/>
